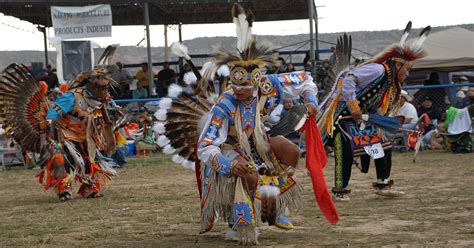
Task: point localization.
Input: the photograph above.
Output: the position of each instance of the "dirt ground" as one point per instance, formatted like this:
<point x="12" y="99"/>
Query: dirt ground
<point x="154" y="203"/>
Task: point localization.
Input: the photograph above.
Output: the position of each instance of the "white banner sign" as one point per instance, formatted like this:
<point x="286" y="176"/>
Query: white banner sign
<point x="82" y="22"/>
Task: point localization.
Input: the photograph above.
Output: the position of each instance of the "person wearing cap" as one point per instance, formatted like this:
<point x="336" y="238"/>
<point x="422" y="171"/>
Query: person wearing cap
<point x="123" y="78"/>
<point x="374" y="87"/>
<point x="434" y="113"/>
<point x="468" y="100"/>
<point x="408" y="111"/>
<point x="462" y="91"/>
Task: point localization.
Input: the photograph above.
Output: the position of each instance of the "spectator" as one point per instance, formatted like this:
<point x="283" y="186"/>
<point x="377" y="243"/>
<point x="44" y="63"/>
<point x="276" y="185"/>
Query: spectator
<point x="468" y="100"/>
<point x="290" y="67"/>
<point x="332" y="57"/>
<point x="435" y="114"/>
<point x="462" y="92"/>
<point x="323" y="79"/>
<point x="145" y="143"/>
<point x="307" y="67"/>
<point x="123" y="78"/>
<point x="165" y="77"/>
<point x="51" y="78"/>
<point x="288" y="103"/>
<point x="432" y="139"/>
<point x="281" y="65"/>
<point x="142" y="77"/>
<point x="437" y="95"/>
<point x="307" y="57"/>
<point x="408" y="111"/>
<point x="140" y="92"/>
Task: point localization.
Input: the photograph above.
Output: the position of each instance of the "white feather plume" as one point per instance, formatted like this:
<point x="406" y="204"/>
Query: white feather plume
<point x="418" y="43"/>
<point x="243" y="31"/>
<point x="188" y="164"/>
<point x="159" y="127"/>
<point x="406" y="32"/>
<point x="190" y="78"/>
<point x="161" y="114"/>
<point x="168" y="149"/>
<point x="223" y="71"/>
<point x="174" y="90"/>
<point x="165" y="103"/>
<point x="177" y="159"/>
<point x="180" y="50"/>
<point x="162" y="141"/>
<point x="269" y="191"/>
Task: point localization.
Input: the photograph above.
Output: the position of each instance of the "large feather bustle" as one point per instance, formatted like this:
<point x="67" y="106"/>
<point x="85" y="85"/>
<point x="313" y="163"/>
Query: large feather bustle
<point x="25" y="106"/>
<point x="178" y="133"/>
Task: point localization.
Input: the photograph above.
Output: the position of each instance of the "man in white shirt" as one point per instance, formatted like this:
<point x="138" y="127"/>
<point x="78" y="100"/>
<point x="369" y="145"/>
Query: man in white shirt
<point x="408" y="111"/>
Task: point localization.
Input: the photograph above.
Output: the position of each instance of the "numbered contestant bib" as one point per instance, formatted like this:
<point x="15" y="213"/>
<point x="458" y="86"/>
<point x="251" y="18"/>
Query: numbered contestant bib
<point x="366" y="140"/>
<point x="375" y="151"/>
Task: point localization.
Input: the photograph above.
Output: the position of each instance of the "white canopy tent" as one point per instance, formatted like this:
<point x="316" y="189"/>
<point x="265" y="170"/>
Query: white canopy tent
<point x="449" y="50"/>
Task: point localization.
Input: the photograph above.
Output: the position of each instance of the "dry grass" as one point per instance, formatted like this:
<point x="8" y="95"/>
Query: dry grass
<point x="154" y="203"/>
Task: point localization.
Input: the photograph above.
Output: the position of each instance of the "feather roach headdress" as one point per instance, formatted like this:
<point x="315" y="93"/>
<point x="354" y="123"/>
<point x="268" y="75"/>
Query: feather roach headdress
<point x="102" y="69"/>
<point x="245" y="64"/>
<point x="403" y="52"/>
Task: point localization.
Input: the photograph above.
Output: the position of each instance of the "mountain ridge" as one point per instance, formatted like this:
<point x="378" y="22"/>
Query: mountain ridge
<point x="370" y="42"/>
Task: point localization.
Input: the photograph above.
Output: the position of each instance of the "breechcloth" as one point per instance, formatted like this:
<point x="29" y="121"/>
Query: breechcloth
<point x="344" y="158"/>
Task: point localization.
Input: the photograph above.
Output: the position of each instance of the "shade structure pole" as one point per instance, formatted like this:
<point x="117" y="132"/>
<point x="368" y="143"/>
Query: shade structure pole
<point x="167" y="54"/>
<point x="311" y="37"/>
<point x="316" y="32"/>
<point x="45" y="41"/>
<point x="180" y="41"/>
<point x="46" y="61"/>
<point x="146" y="16"/>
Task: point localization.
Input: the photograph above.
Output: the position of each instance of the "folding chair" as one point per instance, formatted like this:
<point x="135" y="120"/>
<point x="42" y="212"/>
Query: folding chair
<point x="11" y="156"/>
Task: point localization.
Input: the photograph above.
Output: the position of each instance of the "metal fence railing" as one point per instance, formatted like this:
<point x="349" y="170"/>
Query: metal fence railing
<point x="444" y="95"/>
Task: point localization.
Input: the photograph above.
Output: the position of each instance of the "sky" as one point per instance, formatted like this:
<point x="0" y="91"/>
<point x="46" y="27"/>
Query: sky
<point x="335" y="16"/>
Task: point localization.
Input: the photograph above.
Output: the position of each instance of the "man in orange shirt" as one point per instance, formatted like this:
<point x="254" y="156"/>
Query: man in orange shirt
<point x="142" y="77"/>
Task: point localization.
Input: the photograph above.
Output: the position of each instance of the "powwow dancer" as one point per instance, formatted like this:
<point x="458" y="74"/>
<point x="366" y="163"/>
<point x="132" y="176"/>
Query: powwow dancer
<point x="73" y="135"/>
<point x="244" y="175"/>
<point x="371" y="90"/>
